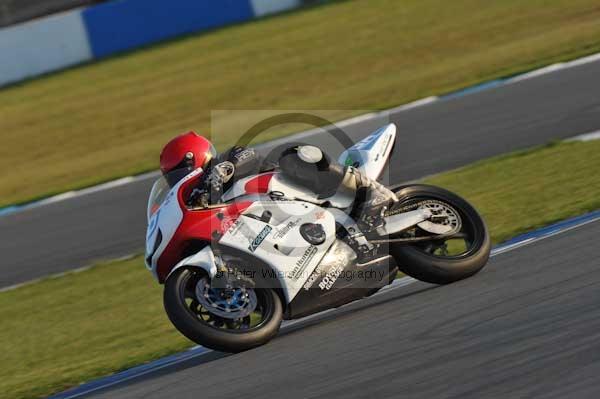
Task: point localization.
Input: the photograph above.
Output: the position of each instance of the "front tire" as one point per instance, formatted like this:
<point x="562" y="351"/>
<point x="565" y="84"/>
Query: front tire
<point x="422" y="262"/>
<point x="190" y="318"/>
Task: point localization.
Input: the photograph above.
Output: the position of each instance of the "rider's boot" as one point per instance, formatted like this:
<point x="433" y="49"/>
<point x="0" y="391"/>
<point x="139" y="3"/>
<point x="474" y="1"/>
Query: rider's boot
<point x="372" y="198"/>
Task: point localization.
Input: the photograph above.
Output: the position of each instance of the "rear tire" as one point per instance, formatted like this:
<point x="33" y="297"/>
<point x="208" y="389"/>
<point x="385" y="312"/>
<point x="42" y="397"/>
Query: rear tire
<point x="193" y="327"/>
<point x="419" y="264"/>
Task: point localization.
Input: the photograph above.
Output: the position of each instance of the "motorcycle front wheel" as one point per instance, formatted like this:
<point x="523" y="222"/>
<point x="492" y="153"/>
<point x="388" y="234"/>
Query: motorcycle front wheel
<point x="232" y="320"/>
<point x="440" y="261"/>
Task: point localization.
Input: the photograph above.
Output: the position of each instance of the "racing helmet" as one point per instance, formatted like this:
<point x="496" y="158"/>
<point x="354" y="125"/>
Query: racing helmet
<point x="184" y="154"/>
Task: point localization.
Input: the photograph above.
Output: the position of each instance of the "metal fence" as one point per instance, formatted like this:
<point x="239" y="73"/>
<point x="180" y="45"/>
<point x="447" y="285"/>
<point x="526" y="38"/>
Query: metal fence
<point x="15" y="11"/>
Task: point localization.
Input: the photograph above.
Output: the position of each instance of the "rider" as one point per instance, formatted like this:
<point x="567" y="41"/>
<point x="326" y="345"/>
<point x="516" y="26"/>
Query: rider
<point x="190" y="151"/>
<point x="305" y="165"/>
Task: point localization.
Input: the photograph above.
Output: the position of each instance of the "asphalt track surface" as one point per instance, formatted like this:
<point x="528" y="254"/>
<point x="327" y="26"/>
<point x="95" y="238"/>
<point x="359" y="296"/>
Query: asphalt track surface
<point x="432" y="138"/>
<point x="527" y="326"/>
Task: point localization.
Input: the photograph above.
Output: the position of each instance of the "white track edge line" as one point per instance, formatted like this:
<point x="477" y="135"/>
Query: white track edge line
<point x="586" y="137"/>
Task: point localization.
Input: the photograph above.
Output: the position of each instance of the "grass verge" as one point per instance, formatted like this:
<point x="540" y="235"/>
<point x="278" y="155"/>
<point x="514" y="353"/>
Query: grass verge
<point x="109" y="119"/>
<point x="63" y="331"/>
<point x="529" y="189"/>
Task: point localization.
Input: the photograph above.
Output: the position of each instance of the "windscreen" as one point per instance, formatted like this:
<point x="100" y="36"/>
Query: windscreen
<point x="163" y="186"/>
<point x="159" y="192"/>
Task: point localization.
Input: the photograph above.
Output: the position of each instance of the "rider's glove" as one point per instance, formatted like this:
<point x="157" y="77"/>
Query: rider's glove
<point x="219" y="175"/>
<point x="198" y="197"/>
<point x="223" y="171"/>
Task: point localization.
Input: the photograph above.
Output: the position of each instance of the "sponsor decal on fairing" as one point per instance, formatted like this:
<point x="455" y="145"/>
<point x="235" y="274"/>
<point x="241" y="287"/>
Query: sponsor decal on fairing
<point x="303" y="262"/>
<point x="259" y="238"/>
<point x="282" y="232"/>
<point x="331" y="277"/>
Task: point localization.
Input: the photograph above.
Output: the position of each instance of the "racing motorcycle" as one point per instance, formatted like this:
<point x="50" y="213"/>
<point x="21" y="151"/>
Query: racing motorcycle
<point x="271" y="250"/>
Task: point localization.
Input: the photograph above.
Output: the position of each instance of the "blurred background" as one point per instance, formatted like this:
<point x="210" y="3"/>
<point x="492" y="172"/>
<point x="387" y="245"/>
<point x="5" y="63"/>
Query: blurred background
<point x="13" y="12"/>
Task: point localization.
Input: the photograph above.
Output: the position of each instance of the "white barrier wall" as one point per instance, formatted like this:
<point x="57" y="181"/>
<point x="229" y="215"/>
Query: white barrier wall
<point x="47" y="44"/>
<point x="58" y="41"/>
<point x="266" y="7"/>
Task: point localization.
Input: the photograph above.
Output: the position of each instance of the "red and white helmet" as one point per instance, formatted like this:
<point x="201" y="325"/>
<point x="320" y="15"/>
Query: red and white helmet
<point x="187" y="151"/>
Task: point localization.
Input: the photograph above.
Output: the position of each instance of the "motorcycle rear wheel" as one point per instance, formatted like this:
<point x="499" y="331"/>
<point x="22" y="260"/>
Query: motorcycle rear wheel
<point x="211" y="331"/>
<point x="430" y="261"/>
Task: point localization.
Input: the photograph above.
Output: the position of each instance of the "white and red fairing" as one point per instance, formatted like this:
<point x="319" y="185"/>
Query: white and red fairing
<point x="173" y="228"/>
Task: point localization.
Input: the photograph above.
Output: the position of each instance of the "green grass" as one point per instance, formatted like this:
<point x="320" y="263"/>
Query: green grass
<point x="109" y="119"/>
<point x="525" y="190"/>
<point x="67" y="330"/>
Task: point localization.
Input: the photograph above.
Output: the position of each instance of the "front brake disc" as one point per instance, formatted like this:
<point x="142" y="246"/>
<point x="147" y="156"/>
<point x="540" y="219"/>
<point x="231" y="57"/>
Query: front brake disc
<point x="234" y="303"/>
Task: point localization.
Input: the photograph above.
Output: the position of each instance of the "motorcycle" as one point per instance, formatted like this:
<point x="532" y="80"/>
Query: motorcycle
<point x="271" y="250"/>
